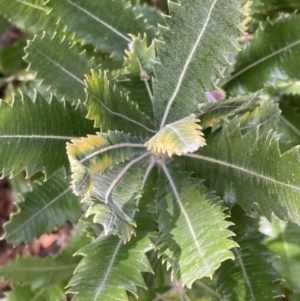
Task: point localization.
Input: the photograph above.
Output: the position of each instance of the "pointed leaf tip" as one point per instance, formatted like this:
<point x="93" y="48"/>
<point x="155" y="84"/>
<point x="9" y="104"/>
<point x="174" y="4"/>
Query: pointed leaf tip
<point x="180" y="137"/>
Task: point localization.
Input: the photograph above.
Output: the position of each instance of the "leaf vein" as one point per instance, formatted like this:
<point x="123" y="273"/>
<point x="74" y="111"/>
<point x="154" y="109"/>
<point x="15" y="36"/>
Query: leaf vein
<point x="186" y="65"/>
<point x="103" y="280"/>
<point x="100" y="21"/>
<point x="185" y="214"/>
<point x="38" y="212"/>
<point x="238" y="255"/>
<point x="253" y="173"/>
<point x="103" y="150"/>
<point x="261" y="61"/>
<point x="58" y="65"/>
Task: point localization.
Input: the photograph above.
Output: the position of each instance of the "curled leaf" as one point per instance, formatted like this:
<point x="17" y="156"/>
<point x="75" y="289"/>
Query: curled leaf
<point x="180" y="137"/>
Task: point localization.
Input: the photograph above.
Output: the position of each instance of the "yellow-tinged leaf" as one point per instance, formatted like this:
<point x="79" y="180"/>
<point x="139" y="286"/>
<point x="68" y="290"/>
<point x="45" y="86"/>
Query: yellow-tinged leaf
<point x="180" y="137"/>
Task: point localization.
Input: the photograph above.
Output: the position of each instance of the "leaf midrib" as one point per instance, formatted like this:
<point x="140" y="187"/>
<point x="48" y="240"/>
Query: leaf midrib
<point x="186" y="65"/>
<point x="38" y="212"/>
<point x="186" y="216"/>
<point x="115" y="146"/>
<point x="104" y="279"/>
<point x="267" y="57"/>
<point x="111" y="28"/>
<point x="58" y="65"/>
<point x="53" y="137"/>
<point x="121" y="115"/>
<point x="244" y="272"/>
<point x="242" y="169"/>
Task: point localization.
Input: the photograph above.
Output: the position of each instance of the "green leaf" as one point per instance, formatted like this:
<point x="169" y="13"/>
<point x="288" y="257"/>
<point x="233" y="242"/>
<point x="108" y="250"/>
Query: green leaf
<point x="47" y="206"/>
<point x="189" y="218"/>
<point x="191" y="55"/>
<point x="216" y="114"/>
<point x="266" y="114"/>
<point x="95" y="154"/>
<point x="105" y="215"/>
<point x="59" y="66"/>
<point x="30" y="15"/>
<point x="250" y="170"/>
<point x="100" y="170"/>
<point x="284" y="241"/>
<point x="180" y="137"/>
<point x="40" y="272"/>
<point x="112" y="110"/>
<point x="261" y="9"/>
<point x="137" y="74"/>
<point x="33" y="134"/>
<point x="152" y="16"/>
<point x="266" y="60"/>
<point x="289" y="126"/>
<point x="118" y="188"/>
<point x="11" y="57"/>
<point x="25" y="293"/>
<point x="98" y="279"/>
<point x="105" y="24"/>
<point x="246" y="112"/>
<point x="250" y="276"/>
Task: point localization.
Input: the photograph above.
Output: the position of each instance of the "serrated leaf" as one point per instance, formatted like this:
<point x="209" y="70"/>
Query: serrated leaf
<point x="137" y="74"/>
<point x="118" y="188"/>
<point x="189" y="218"/>
<point x="47" y="206"/>
<point x="180" y="137"/>
<point x="112" y="110"/>
<point x="250" y="170"/>
<point x="100" y="170"/>
<point x="25" y="293"/>
<point x="264" y="61"/>
<point x="31" y="15"/>
<point x="105" y="24"/>
<point x="151" y="15"/>
<point x="33" y="134"/>
<point x="39" y="272"/>
<point x="97" y="279"/>
<point x="266" y="114"/>
<point x="95" y="154"/>
<point x="59" y="66"/>
<point x="105" y="215"/>
<point x="250" y="276"/>
<point x="191" y="54"/>
<point x="246" y="112"/>
<point x="215" y="114"/>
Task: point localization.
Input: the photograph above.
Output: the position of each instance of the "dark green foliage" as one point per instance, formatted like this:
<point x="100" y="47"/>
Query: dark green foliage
<point x="165" y="183"/>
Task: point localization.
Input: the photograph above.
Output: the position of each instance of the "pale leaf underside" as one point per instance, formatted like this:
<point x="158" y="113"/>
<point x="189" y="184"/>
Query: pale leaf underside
<point x="180" y="137"/>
